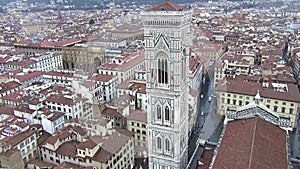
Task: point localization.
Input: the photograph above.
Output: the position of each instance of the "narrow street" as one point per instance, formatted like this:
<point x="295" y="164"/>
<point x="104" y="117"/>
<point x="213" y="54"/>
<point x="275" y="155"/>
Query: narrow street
<point x="209" y="125"/>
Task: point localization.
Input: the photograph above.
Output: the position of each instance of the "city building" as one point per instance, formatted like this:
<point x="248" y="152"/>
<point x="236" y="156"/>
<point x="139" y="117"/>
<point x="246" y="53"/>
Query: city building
<point x="25" y="142"/>
<point x="129" y="32"/>
<point x="108" y="84"/>
<point x="124" y="66"/>
<point x="136" y="89"/>
<point x="60" y="77"/>
<point x="257" y="109"/>
<point x="72" y="105"/>
<point x="137" y="123"/>
<point x="281" y="98"/>
<point x="73" y="145"/>
<point x="167" y="41"/>
<point x="47" y="61"/>
<point x="12" y="159"/>
<point x="85" y="57"/>
<point x="52" y="121"/>
<point x="8" y="88"/>
<point x="88" y="89"/>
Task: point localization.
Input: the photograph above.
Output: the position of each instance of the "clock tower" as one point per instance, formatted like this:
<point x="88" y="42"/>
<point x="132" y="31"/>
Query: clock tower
<point x="167" y="41"/>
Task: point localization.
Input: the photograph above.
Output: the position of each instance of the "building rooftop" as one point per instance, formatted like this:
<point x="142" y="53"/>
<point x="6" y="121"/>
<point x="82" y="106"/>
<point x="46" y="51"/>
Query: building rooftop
<point x="289" y="92"/>
<point x="252" y="143"/>
<point x="138" y="115"/>
<point x="166" y="6"/>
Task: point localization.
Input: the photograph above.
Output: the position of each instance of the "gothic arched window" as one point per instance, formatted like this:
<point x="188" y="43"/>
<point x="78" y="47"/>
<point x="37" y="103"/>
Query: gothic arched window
<point x="167" y="113"/>
<point x="158" y="112"/>
<point x="162" y="71"/>
<point x="159" y="144"/>
<point x="167" y="145"/>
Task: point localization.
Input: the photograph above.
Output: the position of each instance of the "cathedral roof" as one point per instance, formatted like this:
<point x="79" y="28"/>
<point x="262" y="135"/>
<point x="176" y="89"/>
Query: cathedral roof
<point x="252" y="143"/>
<point x="167" y="6"/>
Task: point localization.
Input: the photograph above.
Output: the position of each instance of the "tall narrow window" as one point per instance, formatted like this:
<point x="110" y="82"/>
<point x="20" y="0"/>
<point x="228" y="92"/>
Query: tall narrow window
<point x="166" y="72"/>
<point x="167" y="145"/>
<point x="162" y="71"/>
<point x="159" y="72"/>
<point x="167" y="113"/>
<point x="158" y="112"/>
<point x="158" y="143"/>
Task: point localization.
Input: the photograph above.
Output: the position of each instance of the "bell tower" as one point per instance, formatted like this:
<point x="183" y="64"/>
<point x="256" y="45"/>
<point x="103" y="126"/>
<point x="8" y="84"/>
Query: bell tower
<point x="167" y="41"/>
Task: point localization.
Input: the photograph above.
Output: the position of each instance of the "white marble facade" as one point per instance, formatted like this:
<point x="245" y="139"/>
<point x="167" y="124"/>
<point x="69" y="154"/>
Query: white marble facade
<point x="167" y="41"/>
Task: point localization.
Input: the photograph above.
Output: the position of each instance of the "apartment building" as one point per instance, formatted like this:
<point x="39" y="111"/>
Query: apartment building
<point x="123" y="67"/>
<point x="8" y="88"/>
<point x="70" y="104"/>
<point x="88" y="89"/>
<point x="59" y="77"/>
<point x="25" y="142"/>
<point x="72" y="145"/>
<point x="281" y="98"/>
<point x="11" y="159"/>
<point x="52" y="121"/>
<point x="136" y="89"/>
<point x="137" y="123"/>
<point x="108" y="83"/>
<point x="47" y="61"/>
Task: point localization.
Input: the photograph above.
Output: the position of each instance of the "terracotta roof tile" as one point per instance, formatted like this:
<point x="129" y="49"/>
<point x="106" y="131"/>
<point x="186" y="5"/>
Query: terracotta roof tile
<point x="167" y="6"/>
<point x="16" y="139"/>
<point x="10" y="152"/>
<point x="102" y="77"/>
<point x="111" y="112"/>
<point x="252" y="143"/>
<point x="8" y="86"/>
<point x="238" y="85"/>
<point x="138" y="115"/>
<point x="68" y="149"/>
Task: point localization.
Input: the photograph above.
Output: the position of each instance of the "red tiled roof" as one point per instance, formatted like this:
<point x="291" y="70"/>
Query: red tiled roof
<point x="88" y="84"/>
<point x="8" y="86"/>
<point x="55" y="116"/>
<point x="138" y="115"/>
<point x="60" y="135"/>
<point x="16" y="139"/>
<point x="130" y="61"/>
<point x="68" y="149"/>
<point x="111" y="112"/>
<point x="61" y="100"/>
<point x="10" y="152"/>
<point x="8" y="110"/>
<point x="205" y="158"/>
<point x="24" y="108"/>
<point x="238" y="85"/>
<point x="252" y="143"/>
<point x="59" y="74"/>
<point x="28" y="76"/>
<point x="86" y="144"/>
<point x="21" y="124"/>
<point x="40" y="163"/>
<point x="102" y="77"/>
<point x="67" y="165"/>
<point x="60" y="43"/>
<point x="167" y="6"/>
<point x="113" y="143"/>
